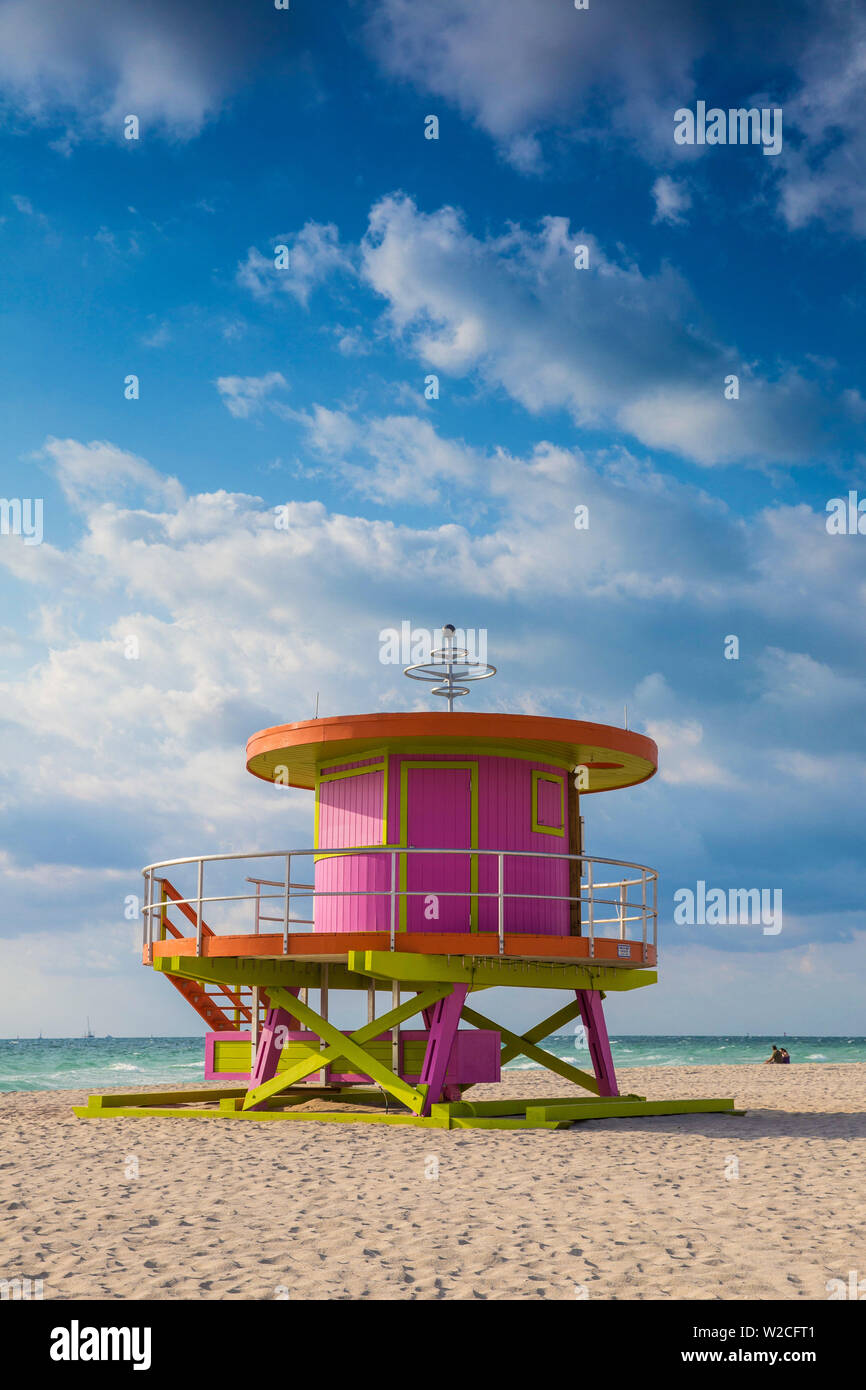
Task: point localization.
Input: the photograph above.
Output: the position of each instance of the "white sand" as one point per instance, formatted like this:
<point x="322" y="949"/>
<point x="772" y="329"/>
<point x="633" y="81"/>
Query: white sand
<point x="625" y="1208"/>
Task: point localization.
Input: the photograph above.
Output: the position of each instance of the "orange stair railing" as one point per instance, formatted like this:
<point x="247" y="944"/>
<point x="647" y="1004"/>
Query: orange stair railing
<point x="202" y="1001"/>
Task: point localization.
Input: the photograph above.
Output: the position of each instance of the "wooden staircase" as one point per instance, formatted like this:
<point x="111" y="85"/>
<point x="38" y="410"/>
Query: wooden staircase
<point x="212" y="1006"/>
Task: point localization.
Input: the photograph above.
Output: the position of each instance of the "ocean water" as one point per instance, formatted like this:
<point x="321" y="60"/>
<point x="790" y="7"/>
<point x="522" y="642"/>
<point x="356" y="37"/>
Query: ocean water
<point x="66" y="1064"/>
<point x="639" y="1050"/>
<point x="51" y="1064"/>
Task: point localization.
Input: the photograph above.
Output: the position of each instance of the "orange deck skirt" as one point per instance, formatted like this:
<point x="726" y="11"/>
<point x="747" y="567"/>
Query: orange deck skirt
<point x="319" y="945"/>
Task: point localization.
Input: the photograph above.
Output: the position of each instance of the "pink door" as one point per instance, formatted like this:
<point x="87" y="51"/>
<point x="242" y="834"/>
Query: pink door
<point x="439" y="815"/>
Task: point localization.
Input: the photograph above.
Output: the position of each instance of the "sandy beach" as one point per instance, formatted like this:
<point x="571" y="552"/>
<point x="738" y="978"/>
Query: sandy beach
<point x="609" y="1209"/>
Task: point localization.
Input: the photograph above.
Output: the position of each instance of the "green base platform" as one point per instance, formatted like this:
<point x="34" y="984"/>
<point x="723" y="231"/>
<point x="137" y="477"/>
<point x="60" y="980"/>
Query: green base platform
<point x="370" y="1107"/>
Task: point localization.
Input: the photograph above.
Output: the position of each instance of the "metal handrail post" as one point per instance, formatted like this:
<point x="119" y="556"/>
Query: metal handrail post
<point x="623" y="897"/>
<point x="258" y="906"/>
<point x="145" y="923"/>
<point x="655" y="911"/>
<point x="286" y="905"/>
<point x="254" y="1013"/>
<point x="501" y="903"/>
<point x="591" y="911"/>
<point x="393" y="901"/>
<point x="198" y="920"/>
<point x="643" y="909"/>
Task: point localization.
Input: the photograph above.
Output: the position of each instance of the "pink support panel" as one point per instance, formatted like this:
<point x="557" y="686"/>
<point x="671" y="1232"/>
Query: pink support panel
<point x="443" y="1031"/>
<point x="592" y="1014"/>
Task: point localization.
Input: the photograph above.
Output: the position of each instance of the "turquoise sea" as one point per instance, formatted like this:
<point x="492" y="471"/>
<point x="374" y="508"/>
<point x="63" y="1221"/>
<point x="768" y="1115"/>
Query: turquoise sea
<point x="51" y="1064"/>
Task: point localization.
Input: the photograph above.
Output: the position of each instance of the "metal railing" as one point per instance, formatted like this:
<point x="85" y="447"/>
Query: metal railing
<point x="273" y="883"/>
<point x="625" y="910"/>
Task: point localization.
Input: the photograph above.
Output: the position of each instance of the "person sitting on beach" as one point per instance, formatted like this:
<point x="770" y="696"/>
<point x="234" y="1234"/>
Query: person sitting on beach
<point x="786" y="1056"/>
<point x="776" y="1057"/>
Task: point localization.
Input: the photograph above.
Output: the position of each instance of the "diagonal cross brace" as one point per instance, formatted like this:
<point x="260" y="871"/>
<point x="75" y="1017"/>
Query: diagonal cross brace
<point x="542" y="1030"/>
<point x="351" y="1047"/>
<point x="521" y="1045"/>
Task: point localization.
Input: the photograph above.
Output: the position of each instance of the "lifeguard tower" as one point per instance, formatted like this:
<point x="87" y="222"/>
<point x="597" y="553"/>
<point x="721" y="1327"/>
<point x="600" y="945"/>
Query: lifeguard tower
<point x="448" y="858"/>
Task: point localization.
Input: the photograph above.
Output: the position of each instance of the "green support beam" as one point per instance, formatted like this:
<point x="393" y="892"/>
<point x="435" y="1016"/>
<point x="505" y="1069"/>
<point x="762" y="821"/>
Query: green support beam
<point x="534" y="1113"/>
<point x="485" y="972"/>
<point x="493" y="1109"/>
<point x="617" y="1107"/>
<point x="478" y="972"/>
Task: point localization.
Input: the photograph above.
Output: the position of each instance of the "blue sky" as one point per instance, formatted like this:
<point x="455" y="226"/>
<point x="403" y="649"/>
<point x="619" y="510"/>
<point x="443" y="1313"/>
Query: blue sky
<point x="558" y="386"/>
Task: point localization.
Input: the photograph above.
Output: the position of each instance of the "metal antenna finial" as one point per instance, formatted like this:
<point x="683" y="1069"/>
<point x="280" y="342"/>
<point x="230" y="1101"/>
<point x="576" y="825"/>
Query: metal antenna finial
<point x="451" y="665"/>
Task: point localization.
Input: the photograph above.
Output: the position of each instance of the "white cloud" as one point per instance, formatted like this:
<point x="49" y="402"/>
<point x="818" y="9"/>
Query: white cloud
<point x="796" y="678"/>
<point x="350" y="341"/>
<point x="683" y="760"/>
<point x="94" y="62"/>
<point x="519" y="69"/>
<point x="523" y="72"/>
<point x="157" y="337"/>
<point x="822" y="175"/>
<point x="672" y="198"/>
<point x="835" y="770"/>
<point x="398" y="458"/>
<point x="244" y="396"/>
<point x="611" y="345"/>
<point x="90" y="471"/>
<point x="315" y="254"/>
<point x="615" y="347"/>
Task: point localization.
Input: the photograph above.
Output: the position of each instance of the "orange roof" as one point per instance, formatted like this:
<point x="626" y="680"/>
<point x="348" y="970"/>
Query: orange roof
<point x="293" y="753"/>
